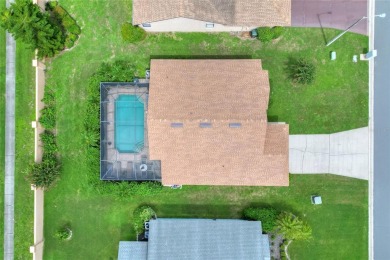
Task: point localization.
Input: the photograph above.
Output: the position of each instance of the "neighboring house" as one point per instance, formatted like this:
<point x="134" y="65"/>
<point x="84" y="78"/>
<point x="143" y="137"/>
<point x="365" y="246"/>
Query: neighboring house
<point x="199" y="239"/>
<point x="210" y="15"/>
<point x="196" y="122"/>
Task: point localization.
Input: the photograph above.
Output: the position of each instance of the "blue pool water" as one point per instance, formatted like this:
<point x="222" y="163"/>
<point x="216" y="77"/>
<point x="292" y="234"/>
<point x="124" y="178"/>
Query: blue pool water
<point x="129" y="124"/>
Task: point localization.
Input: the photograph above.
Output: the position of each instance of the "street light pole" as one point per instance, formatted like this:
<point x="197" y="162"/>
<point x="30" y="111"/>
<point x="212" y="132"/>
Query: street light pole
<point x="349" y="28"/>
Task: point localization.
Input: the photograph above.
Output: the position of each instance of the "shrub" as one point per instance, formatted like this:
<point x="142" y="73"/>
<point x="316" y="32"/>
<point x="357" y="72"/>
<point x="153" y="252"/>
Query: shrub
<point x="48" y="117"/>
<point x="63" y="233"/>
<point x="51" y="5"/>
<point x="267" y="216"/>
<point x="132" y="33"/>
<point x="277" y="31"/>
<point x="141" y="215"/>
<point x="44" y="174"/>
<point x="49" y="143"/>
<point x="59" y="11"/>
<point x="74" y="29"/>
<point x="69" y="43"/>
<point x="302" y="71"/>
<point x="265" y="34"/>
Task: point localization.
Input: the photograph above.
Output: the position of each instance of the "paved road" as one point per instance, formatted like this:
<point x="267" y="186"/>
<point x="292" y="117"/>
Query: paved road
<point x="9" y="185"/>
<point x="382" y="134"/>
<point x="339" y="14"/>
<point x="344" y="153"/>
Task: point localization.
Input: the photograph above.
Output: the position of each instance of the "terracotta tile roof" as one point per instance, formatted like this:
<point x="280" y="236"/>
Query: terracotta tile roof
<point x="227" y="12"/>
<point x="218" y="92"/>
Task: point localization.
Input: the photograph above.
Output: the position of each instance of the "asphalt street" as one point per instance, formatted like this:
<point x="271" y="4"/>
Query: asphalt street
<point x="381" y="217"/>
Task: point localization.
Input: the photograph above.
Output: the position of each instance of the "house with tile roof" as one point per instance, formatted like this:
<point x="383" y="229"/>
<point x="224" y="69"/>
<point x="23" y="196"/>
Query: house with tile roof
<point x="195" y="122"/>
<point x="198" y="239"/>
<point x="210" y="15"/>
<point x="207" y="124"/>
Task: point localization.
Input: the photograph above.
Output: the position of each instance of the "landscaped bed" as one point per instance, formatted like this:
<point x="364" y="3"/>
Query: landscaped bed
<point x="336" y="101"/>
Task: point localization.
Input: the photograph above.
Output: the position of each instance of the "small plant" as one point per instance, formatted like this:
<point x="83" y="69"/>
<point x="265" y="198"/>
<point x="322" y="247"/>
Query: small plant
<point x="273" y="236"/>
<point x="132" y="33"/>
<point x="265" y="34"/>
<point x="141" y="215"/>
<point x="64" y="233"/>
<point x="302" y="71"/>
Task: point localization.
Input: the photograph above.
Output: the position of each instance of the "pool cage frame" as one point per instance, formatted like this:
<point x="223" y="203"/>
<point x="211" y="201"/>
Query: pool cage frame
<point x="114" y="165"/>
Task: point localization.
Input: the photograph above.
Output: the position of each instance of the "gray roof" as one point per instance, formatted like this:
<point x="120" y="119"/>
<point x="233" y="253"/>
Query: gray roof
<point x="265" y="247"/>
<point x="132" y="250"/>
<point x="199" y="239"/>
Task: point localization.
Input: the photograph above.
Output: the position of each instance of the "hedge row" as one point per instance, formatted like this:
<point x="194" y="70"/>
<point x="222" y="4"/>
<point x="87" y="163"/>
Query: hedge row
<point x="69" y="25"/>
<point x="44" y="174"/>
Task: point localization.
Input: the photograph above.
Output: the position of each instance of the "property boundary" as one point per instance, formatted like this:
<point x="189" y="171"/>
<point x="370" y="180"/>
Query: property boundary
<point x="37" y="248"/>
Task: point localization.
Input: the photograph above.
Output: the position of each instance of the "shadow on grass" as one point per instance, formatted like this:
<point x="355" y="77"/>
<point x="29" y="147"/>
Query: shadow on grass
<point x="195" y="211"/>
<point x="200" y="56"/>
<point x="322" y="28"/>
<point x="279" y="206"/>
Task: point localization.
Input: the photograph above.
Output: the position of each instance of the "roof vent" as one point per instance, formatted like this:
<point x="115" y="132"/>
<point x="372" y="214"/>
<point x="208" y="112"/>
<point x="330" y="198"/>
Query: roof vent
<point x="235" y="125"/>
<point x="176" y="125"/>
<point x="205" y="125"/>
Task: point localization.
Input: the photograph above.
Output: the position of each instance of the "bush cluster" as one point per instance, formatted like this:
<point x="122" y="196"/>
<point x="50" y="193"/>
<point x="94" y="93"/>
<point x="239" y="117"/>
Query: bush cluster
<point x="69" y="26"/>
<point x="44" y="174"/>
<point x="302" y="71"/>
<point x="267" y="34"/>
<point x="132" y="33"/>
<point x="267" y="216"/>
<point x="118" y="71"/>
<point x="142" y="215"/>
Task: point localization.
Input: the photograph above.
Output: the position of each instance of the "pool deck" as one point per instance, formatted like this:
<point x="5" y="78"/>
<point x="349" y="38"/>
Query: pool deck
<point x="127" y="166"/>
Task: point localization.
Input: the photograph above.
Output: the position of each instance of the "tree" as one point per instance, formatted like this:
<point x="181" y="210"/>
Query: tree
<point x="292" y="227"/>
<point x="25" y="21"/>
<point x="267" y="216"/>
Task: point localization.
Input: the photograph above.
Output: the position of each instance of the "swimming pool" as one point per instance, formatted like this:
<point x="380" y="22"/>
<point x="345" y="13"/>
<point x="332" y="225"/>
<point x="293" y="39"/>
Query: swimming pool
<point x="129" y="124"/>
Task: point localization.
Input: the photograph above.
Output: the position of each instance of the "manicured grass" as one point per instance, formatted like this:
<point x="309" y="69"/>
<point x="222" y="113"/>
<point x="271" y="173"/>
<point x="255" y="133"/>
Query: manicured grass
<point x="24" y="204"/>
<point x="336" y="101"/>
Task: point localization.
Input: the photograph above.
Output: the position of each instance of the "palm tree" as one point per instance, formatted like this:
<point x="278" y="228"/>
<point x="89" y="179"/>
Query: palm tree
<point x="292" y="228"/>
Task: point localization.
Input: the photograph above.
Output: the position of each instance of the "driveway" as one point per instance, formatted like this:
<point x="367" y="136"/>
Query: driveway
<point x="339" y="14"/>
<point x="344" y="153"/>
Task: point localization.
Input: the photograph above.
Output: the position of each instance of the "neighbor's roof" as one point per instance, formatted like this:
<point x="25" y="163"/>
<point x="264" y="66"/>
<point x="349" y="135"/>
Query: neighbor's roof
<point x="218" y="92"/>
<point x="199" y="239"/>
<point x="227" y="12"/>
<point x="132" y="250"/>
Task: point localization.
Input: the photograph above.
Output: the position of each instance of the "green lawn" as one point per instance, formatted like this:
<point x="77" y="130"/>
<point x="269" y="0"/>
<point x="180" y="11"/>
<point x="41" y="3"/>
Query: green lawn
<point x="336" y="101"/>
<point x="25" y="97"/>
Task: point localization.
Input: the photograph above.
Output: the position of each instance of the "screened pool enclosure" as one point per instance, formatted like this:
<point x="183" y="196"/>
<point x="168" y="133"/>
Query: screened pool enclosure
<point x="123" y="133"/>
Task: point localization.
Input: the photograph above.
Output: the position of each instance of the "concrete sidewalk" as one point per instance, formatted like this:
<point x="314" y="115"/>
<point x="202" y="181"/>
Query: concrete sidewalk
<point x="339" y="14"/>
<point x="344" y="153"/>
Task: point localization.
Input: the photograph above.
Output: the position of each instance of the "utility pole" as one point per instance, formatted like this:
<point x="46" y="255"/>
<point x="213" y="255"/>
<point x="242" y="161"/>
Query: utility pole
<point x="349" y="28"/>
